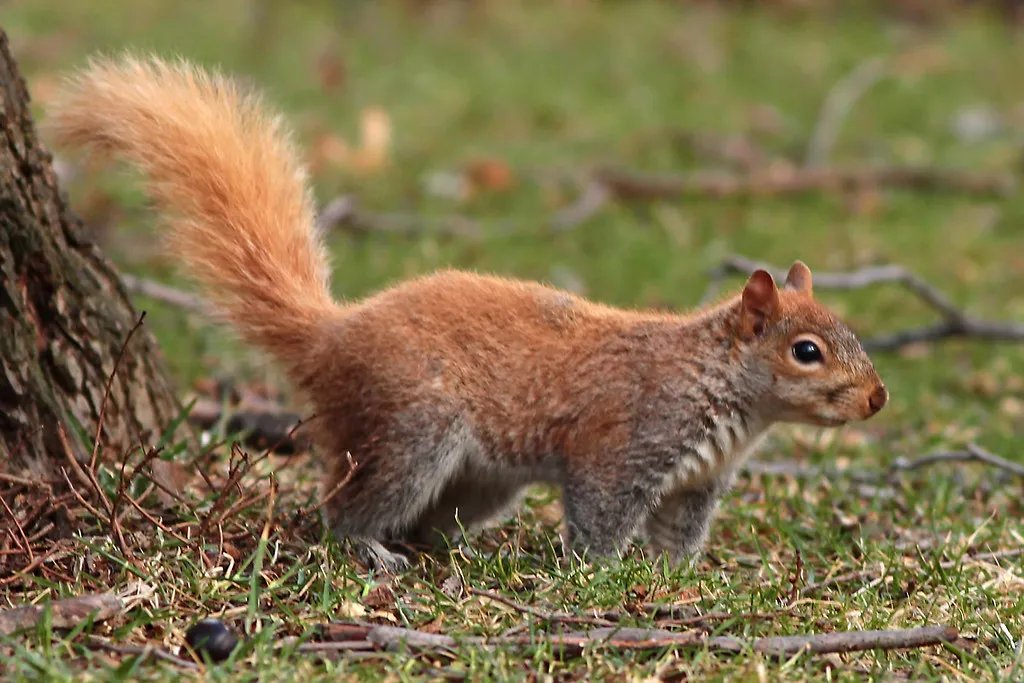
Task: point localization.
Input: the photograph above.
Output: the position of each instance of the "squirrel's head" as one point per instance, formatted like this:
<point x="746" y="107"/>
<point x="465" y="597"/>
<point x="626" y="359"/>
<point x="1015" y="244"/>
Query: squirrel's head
<point x="813" y="368"/>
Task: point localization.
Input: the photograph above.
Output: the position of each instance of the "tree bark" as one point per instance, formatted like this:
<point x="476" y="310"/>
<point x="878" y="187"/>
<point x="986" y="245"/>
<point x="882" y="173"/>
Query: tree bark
<point x="64" y="319"/>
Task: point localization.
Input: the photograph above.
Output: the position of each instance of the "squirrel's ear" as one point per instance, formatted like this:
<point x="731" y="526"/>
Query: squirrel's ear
<point x="799" y="278"/>
<point x="760" y="298"/>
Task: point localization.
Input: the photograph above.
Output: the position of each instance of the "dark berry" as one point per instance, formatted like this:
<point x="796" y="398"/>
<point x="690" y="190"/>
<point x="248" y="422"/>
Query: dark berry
<point x="212" y="637"/>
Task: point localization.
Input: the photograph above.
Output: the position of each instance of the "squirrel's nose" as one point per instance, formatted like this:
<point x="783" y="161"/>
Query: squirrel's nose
<point x="878" y="398"/>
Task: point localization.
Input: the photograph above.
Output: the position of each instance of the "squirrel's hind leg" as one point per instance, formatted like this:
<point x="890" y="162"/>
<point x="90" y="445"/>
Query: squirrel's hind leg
<point x="395" y="483"/>
<point x="469" y="502"/>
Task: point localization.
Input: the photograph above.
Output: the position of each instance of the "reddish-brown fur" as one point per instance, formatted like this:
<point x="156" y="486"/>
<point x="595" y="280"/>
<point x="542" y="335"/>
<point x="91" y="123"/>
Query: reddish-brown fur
<point x="453" y="391"/>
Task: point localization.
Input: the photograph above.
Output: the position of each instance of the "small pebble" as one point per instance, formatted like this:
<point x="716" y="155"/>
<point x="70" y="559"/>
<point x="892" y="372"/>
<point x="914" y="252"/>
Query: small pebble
<point x="212" y="637"/>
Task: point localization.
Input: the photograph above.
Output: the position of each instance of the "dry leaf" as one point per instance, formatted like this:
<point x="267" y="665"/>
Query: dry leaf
<point x="917" y="350"/>
<point x="433" y="626"/>
<point x="330" y="71"/>
<point x="373" y="153"/>
<point x="171" y="477"/>
<point x="864" y="201"/>
<point x="489" y="175"/>
<point x="380" y="597"/>
<point x="328" y="150"/>
<point x="375" y="144"/>
<point x="66" y="613"/>
<point x="452" y="587"/>
<point x="983" y="384"/>
<point x="921" y="61"/>
<point x="351" y="610"/>
<point x="1011" y="407"/>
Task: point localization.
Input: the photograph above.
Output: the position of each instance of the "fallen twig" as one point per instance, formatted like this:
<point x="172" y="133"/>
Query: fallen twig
<point x="337" y="487"/>
<point x="343" y="212"/>
<point x="974" y="453"/>
<point x="66" y="613"/>
<point x="235" y="476"/>
<point x="778" y="181"/>
<point x="259" y="426"/>
<point x="165" y="294"/>
<point x="24" y="481"/>
<point x="955" y="322"/>
<point x="872" y="574"/>
<point x="158" y="524"/>
<point x="592" y="199"/>
<point x="735" y="150"/>
<point x="622" y="638"/>
<point x="89" y="473"/>
<point x="838" y="103"/>
<point x="337" y="646"/>
<point x="142" y="652"/>
<point x="103" y="405"/>
<point x="852" y="641"/>
<point x="543" y="615"/>
<point x="122" y="485"/>
<point x="20" y="537"/>
<point x="53" y="553"/>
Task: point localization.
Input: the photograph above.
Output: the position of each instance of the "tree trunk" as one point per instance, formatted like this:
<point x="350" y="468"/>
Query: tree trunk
<point x="64" y="319"/>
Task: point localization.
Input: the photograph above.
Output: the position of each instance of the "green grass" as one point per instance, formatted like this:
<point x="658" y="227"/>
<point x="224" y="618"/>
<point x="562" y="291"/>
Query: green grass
<point x="546" y="87"/>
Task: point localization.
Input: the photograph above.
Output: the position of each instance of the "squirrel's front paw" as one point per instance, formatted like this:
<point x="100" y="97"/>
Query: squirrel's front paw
<point x="378" y="558"/>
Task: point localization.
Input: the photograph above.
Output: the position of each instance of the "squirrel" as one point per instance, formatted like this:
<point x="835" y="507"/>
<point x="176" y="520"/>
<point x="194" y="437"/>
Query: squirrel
<point x="453" y="392"/>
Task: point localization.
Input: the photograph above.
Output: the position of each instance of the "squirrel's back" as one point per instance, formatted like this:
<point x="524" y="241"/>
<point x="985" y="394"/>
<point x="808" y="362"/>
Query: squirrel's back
<point x="222" y="167"/>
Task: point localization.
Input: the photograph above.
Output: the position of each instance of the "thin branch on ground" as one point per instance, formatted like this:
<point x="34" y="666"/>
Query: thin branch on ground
<point x="106" y="397"/>
<point x="165" y="294"/>
<point x="676" y="613"/>
<point x="160" y="525"/>
<point x="872" y="574"/>
<point x="336" y="646"/>
<point x="735" y="150"/>
<point x="122" y="484"/>
<point x="592" y="200"/>
<point x="623" y="638"/>
<point x="343" y="212"/>
<point x="24" y="481"/>
<point x="88" y="474"/>
<point x="974" y="453"/>
<point x="352" y="464"/>
<point x="955" y="322"/>
<point x="628" y="185"/>
<point x="890" y="475"/>
<point x="679" y="615"/>
<point x="542" y="615"/>
<point x="64" y="614"/>
<point x="53" y="553"/>
<point x="20" y="538"/>
<point x="258" y="426"/>
<point x="216" y="515"/>
<point x="838" y="103"/>
<point x="142" y="652"/>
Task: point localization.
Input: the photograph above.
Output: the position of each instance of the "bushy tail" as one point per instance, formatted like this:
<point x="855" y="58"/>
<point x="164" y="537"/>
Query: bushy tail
<point x="223" y="169"/>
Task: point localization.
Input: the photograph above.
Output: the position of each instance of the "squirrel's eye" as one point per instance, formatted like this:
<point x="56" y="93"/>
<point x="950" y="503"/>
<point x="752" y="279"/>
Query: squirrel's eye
<point x="807" y="352"/>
